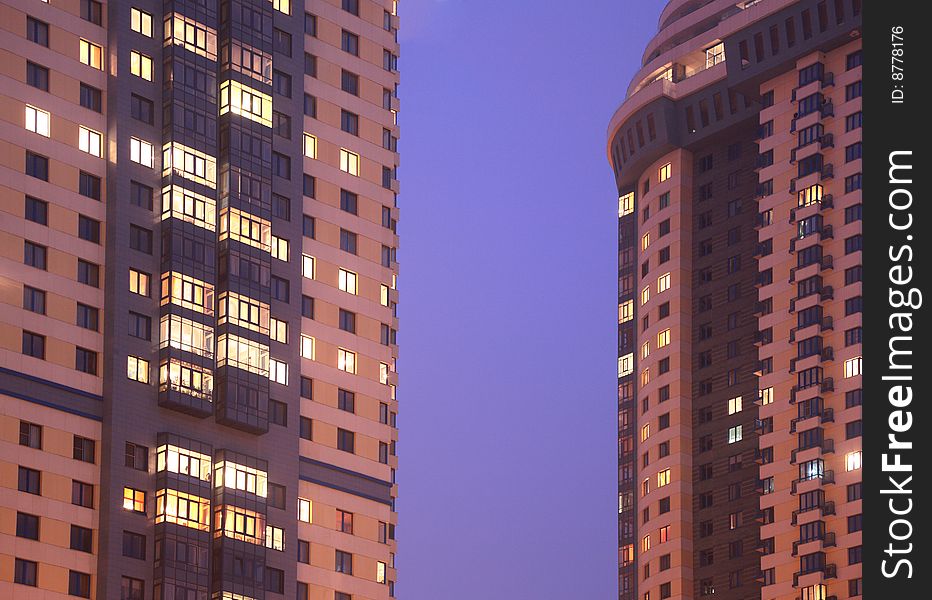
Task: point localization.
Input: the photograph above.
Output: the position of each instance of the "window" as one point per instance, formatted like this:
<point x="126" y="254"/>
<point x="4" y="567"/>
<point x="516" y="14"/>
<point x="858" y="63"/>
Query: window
<point x="274" y="580"/>
<point x="29" y="481"/>
<point x="137" y="369"/>
<point x="346" y="440"/>
<point x="664" y="172"/>
<point x="310" y="24"/>
<point x="90" y="141"/>
<point x="349" y="82"/>
<point x="132" y="589"/>
<point x="349" y="122"/>
<point x="84" y="449"/>
<point x="854" y="121"/>
<point x="92" y="55"/>
<point x="349" y="162"/>
<point x="348" y="281"/>
<point x="34" y="345"/>
<point x="37" y="120"/>
<point x="350" y="42"/>
<point x="304" y="510"/>
<point x="140" y="65"/>
<point x="140" y="22"/>
<point x="734" y="434"/>
<point x="91" y="10"/>
<point x="134" y="545"/>
<point x="853" y="367"/>
<point x="346" y="360"/>
<point x="37" y="166"/>
<point x="79" y="584"/>
<point x="89" y="185"/>
<point x="278" y="372"/>
<point x="351" y="6"/>
<point x="37" y="31"/>
<point x="141" y="109"/>
<point x="37" y="76"/>
<point x="141" y="152"/>
<point x="853" y="461"/>
<point x="663" y="478"/>
<point x="82" y="494"/>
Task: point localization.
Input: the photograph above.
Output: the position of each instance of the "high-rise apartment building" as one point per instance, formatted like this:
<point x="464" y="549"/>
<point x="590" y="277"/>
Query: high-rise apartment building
<point x="198" y="278"/>
<point x="736" y="155"/>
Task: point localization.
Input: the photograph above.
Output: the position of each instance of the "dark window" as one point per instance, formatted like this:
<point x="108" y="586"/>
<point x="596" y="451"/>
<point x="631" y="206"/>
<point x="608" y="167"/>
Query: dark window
<point x="35" y="255"/>
<point x="310" y="64"/>
<point x="350" y="43"/>
<point x="140" y="239"/>
<point x="281" y="289"/>
<point x="310" y="24"/>
<point x="854" y="121"/>
<point x="141" y="109"/>
<point x="281" y="165"/>
<point x="37" y="210"/>
<point x="277" y="494"/>
<point x="79" y="584"/>
<point x="37" y="31"/>
<point x="25" y="572"/>
<point x="134" y="545"/>
<point x="346" y="400"/>
<point x="29" y="481"/>
<point x="37" y="76"/>
<point x="281" y="207"/>
<point x="349" y="82"/>
<point x="278" y="413"/>
<point x="89" y="229"/>
<point x="307" y="388"/>
<point x="348" y="241"/>
<point x="281" y="124"/>
<point x="853" y="275"/>
<point x="136" y="457"/>
<point x="85" y="361"/>
<point x="310" y="106"/>
<point x="274" y="580"/>
<point x="92" y="11"/>
<point x="853" y="213"/>
<point x="82" y="538"/>
<point x="34" y="345"/>
<point x="347" y="321"/>
<point x="89" y="185"/>
<point x="346" y="440"/>
<point x="84" y="449"/>
<point x="27" y="526"/>
<point x="344" y="562"/>
<point x="853" y="429"/>
<point x="88" y="273"/>
<point x="37" y="166"/>
<point x="351" y="6"/>
<point x="306" y="428"/>
<point x="281" y="83"/>
<point x="853" y="152"/>
<point x="349" y="122"/>
<point x="852" y="182"/>
<point x="30" y="435"/>
<point x="854" y="90"/>
<point x="87" y="317"/>
<point x="140" y="195"/>
<point x="82" y="494"/>
<point x="33" y="300"/>
<point x="91" y="98"/>
<point x="304" y="552"/>
<point x="853" y="60"/>
<point x="309" y="186"/>
<point x="281" y="42"/>
<point x="133" y="589"/>
<point x="140" y="326"/>
<point x="348" y="201"/>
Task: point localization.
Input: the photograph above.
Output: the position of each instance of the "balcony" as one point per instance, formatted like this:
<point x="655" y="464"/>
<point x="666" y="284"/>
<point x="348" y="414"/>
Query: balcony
<point x="828" y="477"/>
<point x="827" y="110"/>
<point x="827" y="541"/>
<point x="826" y="447"/>
<point x="828" y="571"/>
<point x="827" y="141"/>
<point x="827" y="415"/>
<point x="828" y="172"/>
<point x="828" y="385"/>
<point x="827" y="293"/>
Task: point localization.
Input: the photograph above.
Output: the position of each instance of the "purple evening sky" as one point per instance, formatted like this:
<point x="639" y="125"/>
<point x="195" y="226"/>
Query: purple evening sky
<point x="508" y="282"/>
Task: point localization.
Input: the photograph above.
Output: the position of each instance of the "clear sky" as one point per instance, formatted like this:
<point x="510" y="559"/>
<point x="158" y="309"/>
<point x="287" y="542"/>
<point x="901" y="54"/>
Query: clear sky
<point x="507" y="398"/>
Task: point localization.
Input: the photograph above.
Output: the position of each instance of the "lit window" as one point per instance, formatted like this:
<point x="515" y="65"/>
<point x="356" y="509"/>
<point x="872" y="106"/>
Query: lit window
<point x="383" y="373"/>
<point x="645" y="295"/>
<point x="91" y="54"/>
<point x="244" y="354"/>
<point x="274" y="538"/>
<point x="645" y="432"/>
<point x="307" y="347"/>
<point x="625" y="365"/>
<point x="383" y="296"/>
<point x="189" y="163"/>
<point x="280" y="248"/>
<point x="244" y="311"/>
<point x="185" y="334"/>
<point x="626" y="204"/>
<point x="626" y="311"/>
<point x="349" y="162"/>
<point x="182" y="461"/>
<point x="310" y="146"/>
<point x="278" y="371"/>
<point x="734" y="405"/>
<point x="853" y="367"/>
<point x="37" y="120"/>
<point x="191" y="35"/>
<point x="645" y="543"/>
<point x="140" y="21"/>
<point x="278" y="330"/>
<point x="664" y="172"/>
<point x="137" y="369"/>
<point x="715" y="55"/>
<point x="240" y="477"/>
<point x="187" y="292"/>
<point x="815" y="592"/>
<point x="307" y="266"/>
<point x="282" y="6"/>
<point x="645" y="349"/>
<point x="246" y="228"/>
<point x="663" y="338"/>
<point x="663" y="283"/>
<point x="141" y="152"/>
<point x="627" y="555"/>
<point x="90" y="141"/>
<point x="188" y="510"/>
<point x="187" y="379"/>
<point x="663" y="478"/>
<point x="810" y="195"/>
<point x="645" y="377"/>
<point x="380" y="572"/>
<point x="245" y="101"/>
<point x="140" y="65"/>
<point x="134" y="500"/>
<point x="645" y="241"/>
<point x="304" y="510"/>
<point x="241" y="524"/>
<point x="189" y="206"/>
<point x="853" y="460"/>
<point x="138" y="282"/>
<point x="766" y="396"/>
<point x="346" y="360"/>
<point x="348" y="281"/>
<point x="735" y="434"/>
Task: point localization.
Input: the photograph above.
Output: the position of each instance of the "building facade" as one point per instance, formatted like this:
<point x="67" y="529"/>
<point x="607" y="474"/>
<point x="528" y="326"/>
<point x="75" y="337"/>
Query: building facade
<point x="198" y="271"/>
<point x="736" y="154"/>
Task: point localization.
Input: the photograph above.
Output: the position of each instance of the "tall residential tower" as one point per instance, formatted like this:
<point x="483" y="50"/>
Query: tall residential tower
<point x="736" y="155"/>
<point x="198" y="277"/>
